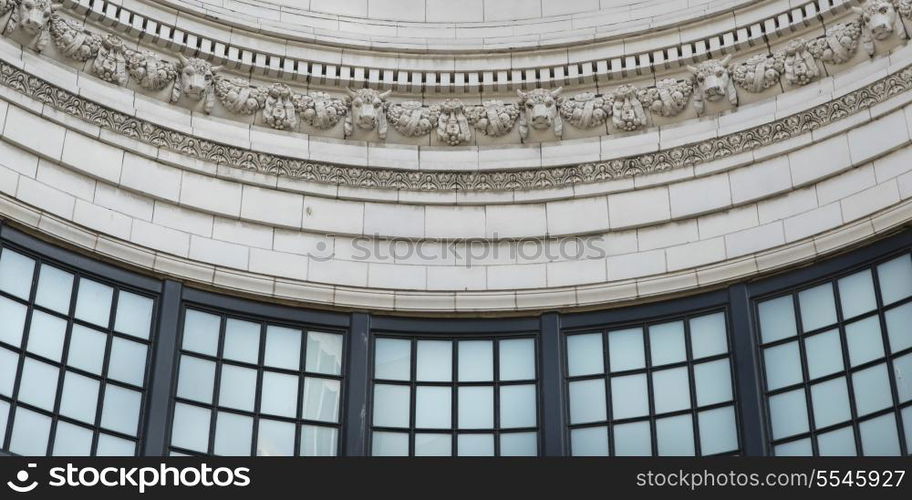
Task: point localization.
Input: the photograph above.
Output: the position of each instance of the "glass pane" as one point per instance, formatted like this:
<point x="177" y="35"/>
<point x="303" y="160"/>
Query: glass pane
<point x="196" y="380"/>
<point x="80" y="398"/>
<point x="432" y="407"/>
<point x="46" y="335"/>
<point x="237" y="388"/>
<point x="274" y="438"/>
<point x="128" y="361"/>
<point x="713" y="381"/>
<point x="783" y="365"/>
<point x="777" y="319"/>
<point x="517" y="359"/>
<point x="283" y="347"/>
<point x="626" y="350"/>
<point x="13" y="324"/>
<point x="872" y="389"/>
<point x="324" y="353"/>
<point x="389" y="444"/>
<point x="233" y="434"/>
<point x="907" y="424"/>
<point x="242" y="341"/>
<point x="671" y="390"/>
<point x="718" y="431"/>
<point x="318" y="441"/>
<point x="55" y="287"/>
<point x="838" y="443"/>
<point x="4" y="416"/>
<point x="675" y="436"/>
<point x="476" y="361"/>
<point x="879" y="437"/>
<point x="111" y="446"/>
<point x="93" y="302"/>
<point x="121" y="409"/>
<point x="435" y="361"/>
<point x="864" y="340"/>
<point x="279" y="394"/>
<point x="800" y="448"/>
<point x="392" y="359"/>
<point x="824" y="353"/>
<point x="856" y="294"/>
<point x="72" y="440"/>
<point x="817" y="307"/>
<point x="632" y="440"/>
<point x="9" y="362"/>
<point x="476" y="407"/>
<point x="321" y="399"/>
<point x="666" y="343"/>
<point x="895" y="278"/>
<point x="37" y="379"/>
<point x="788" y="414"/>
<point x="391" y="405"/>
<point x="899" y="327"/>
<point x="30" y="432"/>
<point x="16" y="272"/>
<point x="87" y="349"/>
<point x="190" y="428"/>
<point x="517" y="406"/>
<point x="584" y="354"/>
<point x="629" y="396"/>
<point x="519" y="444"/>
<point x="831" y="402"/>
<point x="587" y="401"/>
<point x="707" y="335"/>
<point x="902" y="370"/>
<point x="589" y="442"/>
<point x="475" y="445"/>
<point x="201" y="332"/>
<point x="134" y="314"/>
<point x="433" y="445"/>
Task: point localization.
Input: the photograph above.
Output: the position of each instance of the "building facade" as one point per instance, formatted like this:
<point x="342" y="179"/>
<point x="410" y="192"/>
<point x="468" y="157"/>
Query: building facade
<point x="423" y="227"/>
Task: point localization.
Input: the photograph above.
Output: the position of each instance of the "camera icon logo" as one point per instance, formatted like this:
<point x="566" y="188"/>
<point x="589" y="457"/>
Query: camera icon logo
<point x="20" y="486"/>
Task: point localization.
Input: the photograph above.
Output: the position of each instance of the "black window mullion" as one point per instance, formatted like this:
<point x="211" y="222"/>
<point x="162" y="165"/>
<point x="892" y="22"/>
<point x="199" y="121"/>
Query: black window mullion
<point x="64" y="357"/>
<point x="850" y="387"/>
<point x="258" y="401"/>
<point x="553" y="387"/>
<point x="217" y="384"/>
<point x="904" y="447"/>
<point x="692" y="386"/>
<point x="355" y="429"/>
<point x="647" y="354"/>
<point x="302" y="379"/>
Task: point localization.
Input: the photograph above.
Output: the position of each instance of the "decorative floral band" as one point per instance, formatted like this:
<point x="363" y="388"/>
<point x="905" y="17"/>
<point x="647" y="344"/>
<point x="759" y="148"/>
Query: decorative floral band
<point x="453" y="122"/>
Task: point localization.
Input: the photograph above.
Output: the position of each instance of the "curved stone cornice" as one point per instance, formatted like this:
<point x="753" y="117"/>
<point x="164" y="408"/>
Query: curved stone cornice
<point x="492" y="180"/>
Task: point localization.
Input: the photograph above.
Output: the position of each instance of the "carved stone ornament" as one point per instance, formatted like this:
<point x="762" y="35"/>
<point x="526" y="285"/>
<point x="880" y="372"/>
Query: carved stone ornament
<point x="150" y="71"/>
<point x="539" y="111"/>
<point x="368" y="111"/>
<point x="587" y="109"/>
<point x="111" y="62"/>
<point x="759" y="72"/>
<point x="240" y="97"/>
<point x="627" y="112"/>
<point x="839" y="43"/>
<point x="411" y="119"/>
<point x="669" y="97"/>
<point x="493" y="117"/>
<point x="195" y="81"/>
<point x="279" y="110"/>
<point x="800" y="66"/>
<point x="72" y="41"/>
<point x="712" y="82"/>
<point x="879" y="20"/>
<point x="452" y="125"/>
<point x="320" y="110"/>
<point x="32" y="16"/>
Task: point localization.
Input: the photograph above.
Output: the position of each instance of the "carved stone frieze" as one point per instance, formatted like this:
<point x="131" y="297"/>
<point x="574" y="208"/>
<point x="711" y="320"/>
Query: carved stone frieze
<point x="240" y="97"/>
<point x="839" y="43"/>
<point x="368" y="111"/>
<point x="319" y="109"/>
<point x="411" y="119"/>
<point x="493" y="117"/>
<point x="879" y="20"/>
<point x="32" y="17"/>
<point x="452" y="125"/>
<point x="279" y="110"/>
<point x="587" y="109"/>
<point x="539" y="111"/>
<point x="759" y="72"/>
<point x="713" y="82"/>
<point x="150" y="71"/>
<point x="74" y="42"/>
<point x="110" y="63"/>
<point x="799" y="63"/>
<point x="195" y="81"/>
<point x="628" y="113"/>
<point x="668" y="98"/>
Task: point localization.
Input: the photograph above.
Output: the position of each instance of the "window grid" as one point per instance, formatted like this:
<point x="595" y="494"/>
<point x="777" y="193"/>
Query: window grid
<point x="454" y="384"/>
<point x="262" y="369"/>
<point x="848" y="370"/>
<point x="62" y="367"/>
<point x="689" y="363"/>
